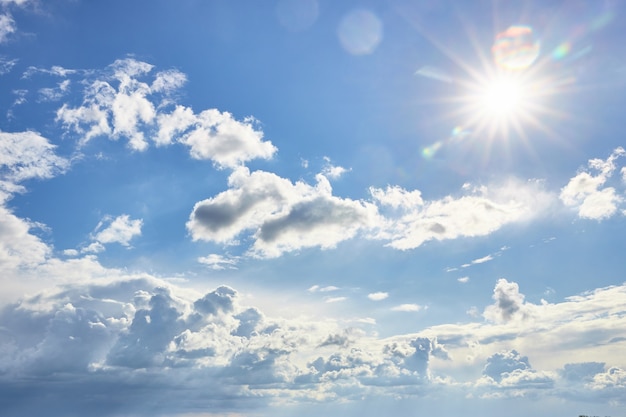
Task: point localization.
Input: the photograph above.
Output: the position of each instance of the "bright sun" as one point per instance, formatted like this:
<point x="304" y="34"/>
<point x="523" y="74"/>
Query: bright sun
<point x="502" y="97"/>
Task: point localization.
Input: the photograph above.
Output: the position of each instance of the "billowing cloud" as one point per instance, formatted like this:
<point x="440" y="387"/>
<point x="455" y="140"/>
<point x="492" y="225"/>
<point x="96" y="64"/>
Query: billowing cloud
<point x="281" y="215"/>
<point x="127" y="102"/>
<point x="587" y="192"/>
<point x="144" y="338"/>
<point x="509" y="302"/>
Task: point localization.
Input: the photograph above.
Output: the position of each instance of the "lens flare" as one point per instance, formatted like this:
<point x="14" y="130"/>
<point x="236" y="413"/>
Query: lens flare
<point x="515" y="48"/>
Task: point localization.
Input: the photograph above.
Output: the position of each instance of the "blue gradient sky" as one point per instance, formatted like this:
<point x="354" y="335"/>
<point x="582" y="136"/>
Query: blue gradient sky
<point x="304" y="207"/>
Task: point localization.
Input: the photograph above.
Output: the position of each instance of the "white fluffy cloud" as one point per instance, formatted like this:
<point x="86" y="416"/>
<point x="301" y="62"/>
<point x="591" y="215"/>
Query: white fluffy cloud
<point x="281" y="215"/>
<point x="128" y="102"/>
<point x="377" y="296"/>
<point x="120" y="229"/>
<point x="484" y="211"/>
<point x="27" y="155"/>
<point x="587" y="192"/>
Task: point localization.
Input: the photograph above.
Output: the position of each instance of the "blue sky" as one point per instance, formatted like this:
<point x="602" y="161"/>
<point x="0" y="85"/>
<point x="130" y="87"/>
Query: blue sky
<point x="305" y="207"/>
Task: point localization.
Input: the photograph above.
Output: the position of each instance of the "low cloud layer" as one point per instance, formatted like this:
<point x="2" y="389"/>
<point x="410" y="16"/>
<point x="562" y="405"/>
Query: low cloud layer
<point x="143" y="338"/>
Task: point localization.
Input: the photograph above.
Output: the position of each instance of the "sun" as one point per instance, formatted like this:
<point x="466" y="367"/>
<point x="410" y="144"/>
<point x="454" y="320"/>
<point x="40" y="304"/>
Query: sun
<point x="503" y="97"/>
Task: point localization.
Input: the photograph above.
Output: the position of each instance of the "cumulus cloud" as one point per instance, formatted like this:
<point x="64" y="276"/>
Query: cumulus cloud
<point x="509" y="302"/>
<point x="126" y="101"/>
<point x="120" y="229"/>
<point x="483" y="211"/>
<point x="280" y="215"/>
<point x="152" y="339"/>
<point x="587" y="192"/>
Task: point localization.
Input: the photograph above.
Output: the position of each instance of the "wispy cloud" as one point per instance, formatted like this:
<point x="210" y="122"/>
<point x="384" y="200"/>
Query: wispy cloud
<point x="407" y="307"/>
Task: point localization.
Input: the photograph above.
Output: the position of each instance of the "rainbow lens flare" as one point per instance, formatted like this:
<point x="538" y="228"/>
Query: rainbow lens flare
<point x="515" y="48"/>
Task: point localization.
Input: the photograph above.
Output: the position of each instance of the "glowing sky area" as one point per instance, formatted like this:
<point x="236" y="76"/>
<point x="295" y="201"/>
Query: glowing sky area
<point x="284" y="208"/>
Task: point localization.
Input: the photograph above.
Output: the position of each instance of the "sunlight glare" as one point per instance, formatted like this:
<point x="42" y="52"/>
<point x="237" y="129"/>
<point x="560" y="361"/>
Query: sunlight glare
<point x="502" y="97"/>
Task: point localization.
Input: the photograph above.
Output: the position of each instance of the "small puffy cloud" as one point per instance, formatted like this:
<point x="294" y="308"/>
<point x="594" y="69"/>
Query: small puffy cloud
<point x="331" y="171"/>
<point x="509" y="302"/>
<point x="407" y="307"/>
<point x="117" y="230"/>
<point x="328" y="288"/>
<point x="219" y="262"/>
<point x="463" y="280"/>
<point x="377" y="296"/>
<point x="586" y="192"/>
<point x="217" y="136"/>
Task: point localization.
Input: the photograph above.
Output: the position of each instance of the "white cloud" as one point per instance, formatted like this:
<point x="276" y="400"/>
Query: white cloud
<point x="463" y="280"/>
<point x="55" y="70"/>
<point x="332" y="171"/>
<point x="377" y="296"/>
<point x="120" y="230"/>
<point x="334" y="299"/>
<point x="509" y="302"/>
<point x="6" y="65"/>
<point x="482" y="260"/>
<point x="482" y="212"/>
<point x="584" y="191"/>
<point x="219" y="137"/>
<point x="397" y="197"/>
<point x="54" y="94"/>
<point x="133" y="330"/>
<point x="7" y="27"/>
<point x="329" y="288"/>
<point x="282" y="216"/>
<point x="27" y="155"/>
<point x="407" y="307"/>
<point x="123" y="103"/>
<point x="219" y="262"/>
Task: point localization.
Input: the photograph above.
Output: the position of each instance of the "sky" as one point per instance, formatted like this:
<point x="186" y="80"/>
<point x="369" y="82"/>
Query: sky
<point x="310" y="207"/>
